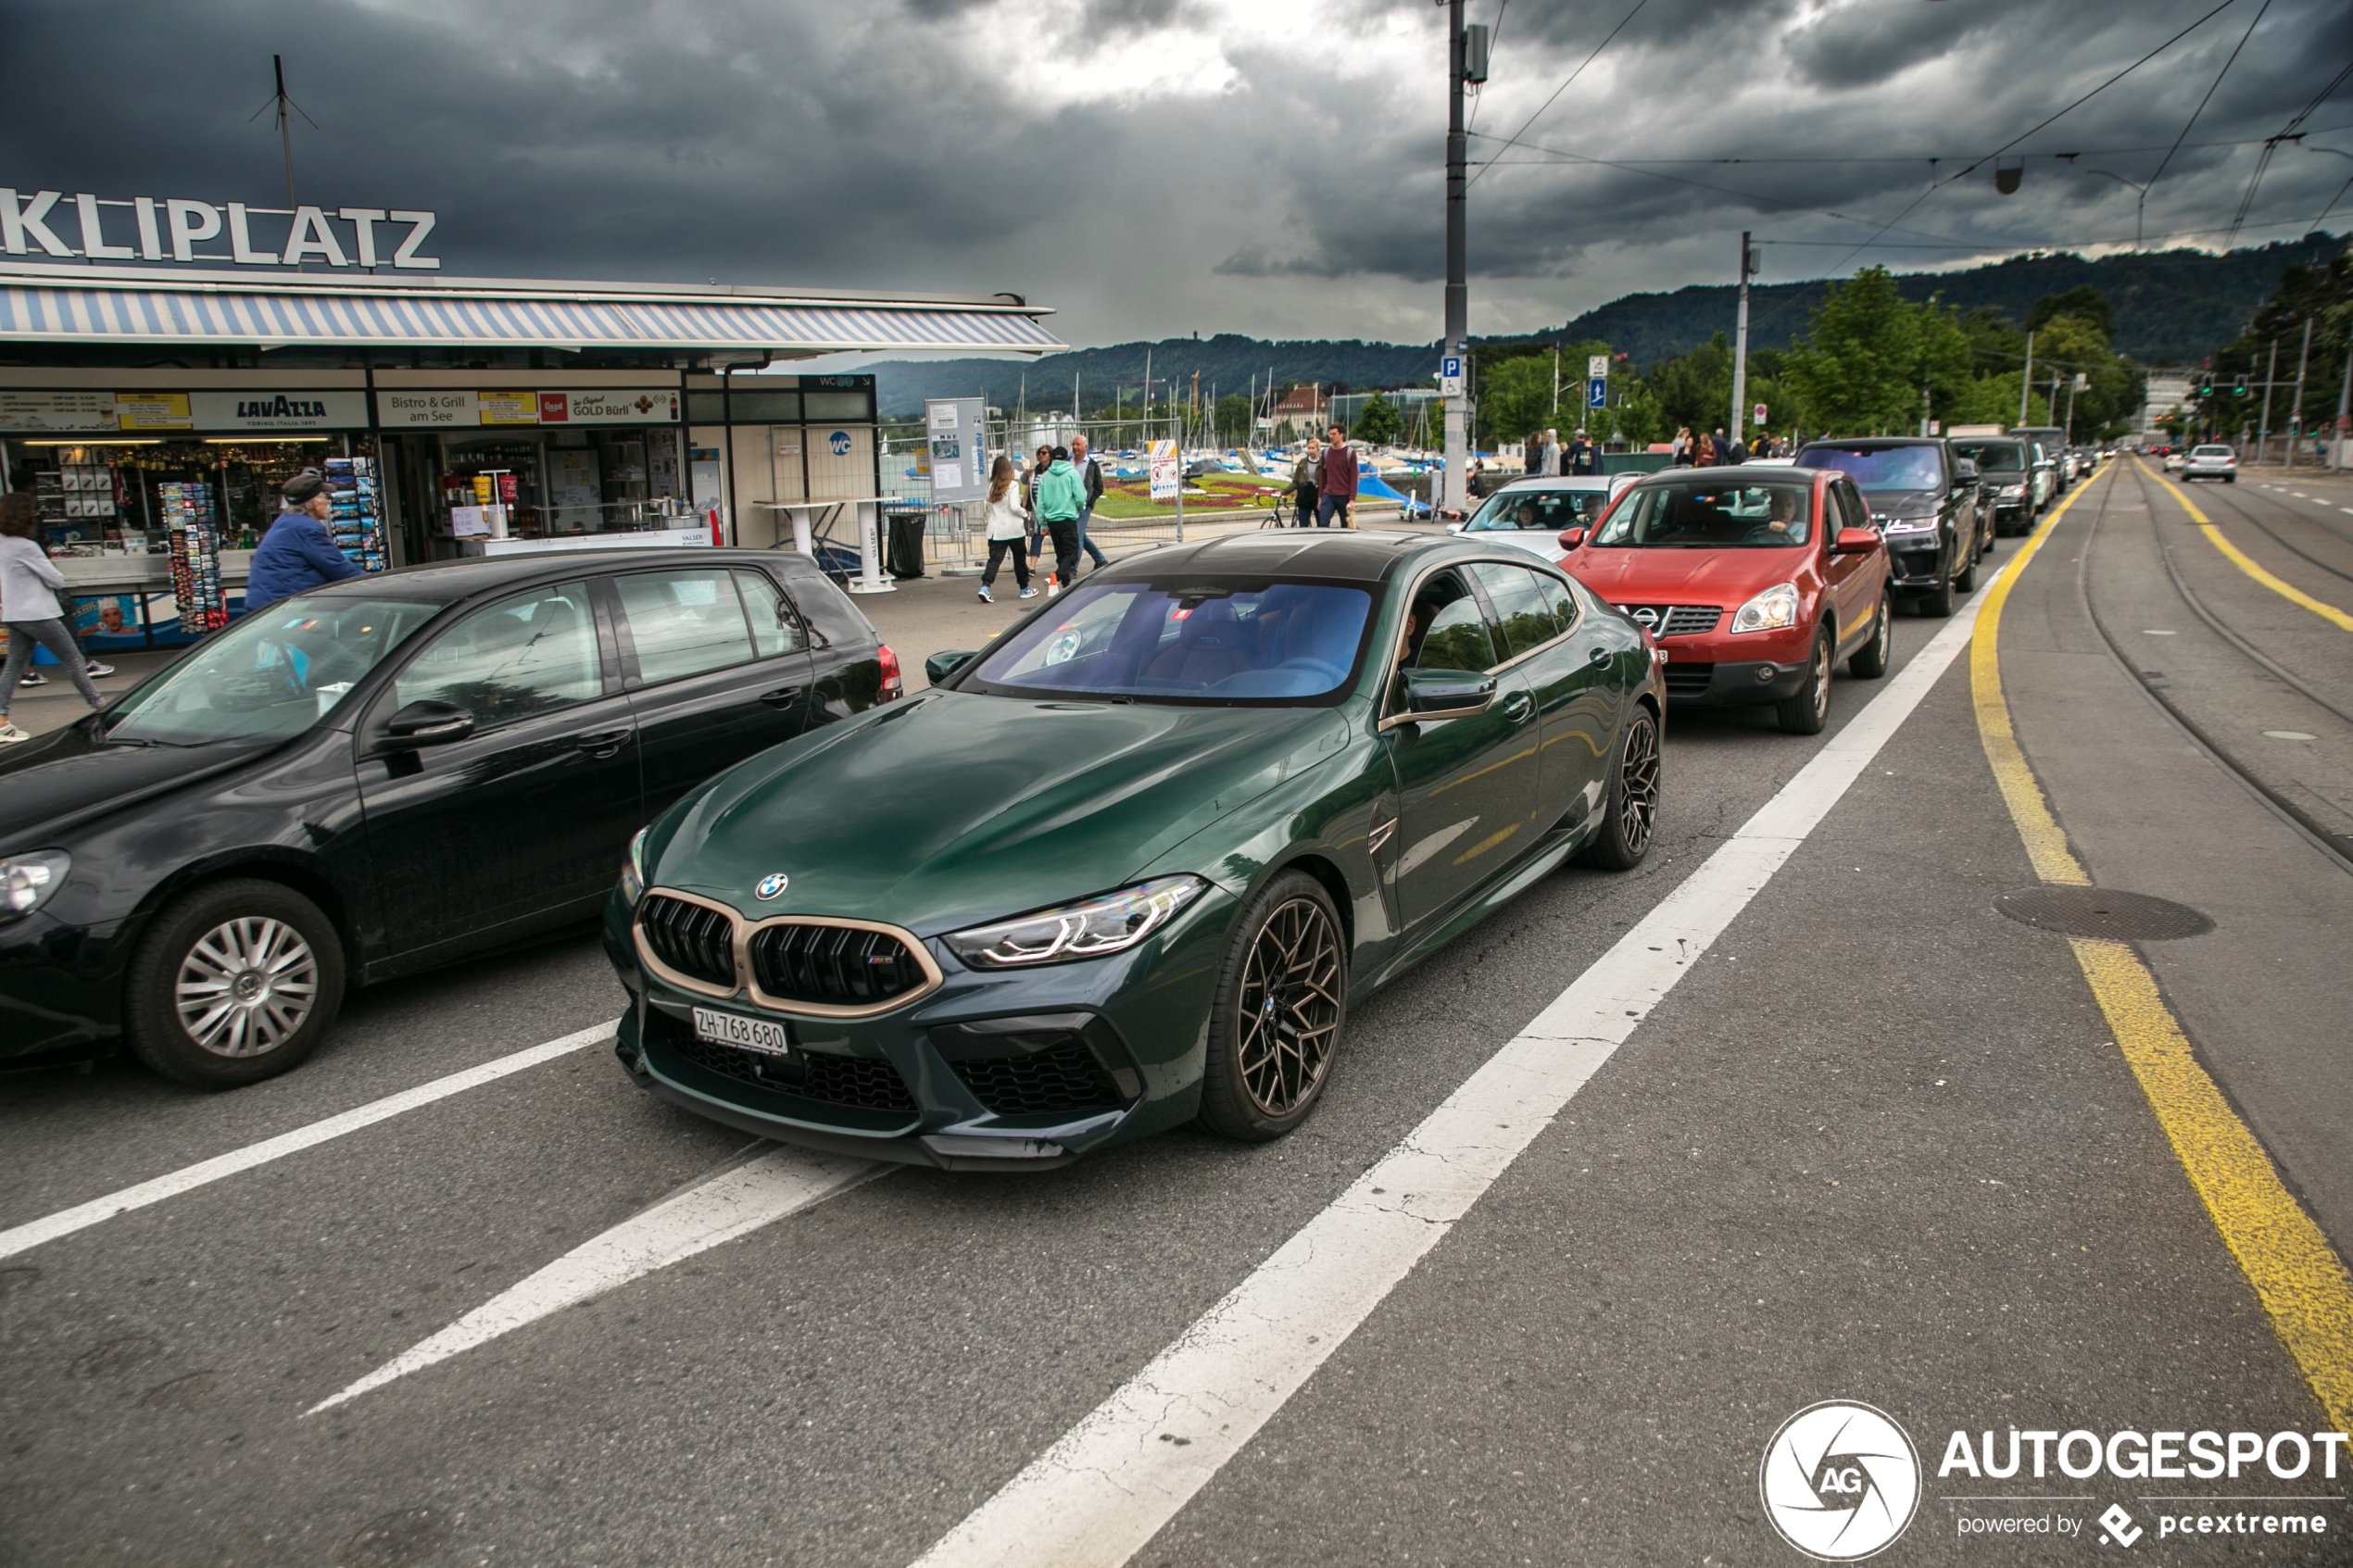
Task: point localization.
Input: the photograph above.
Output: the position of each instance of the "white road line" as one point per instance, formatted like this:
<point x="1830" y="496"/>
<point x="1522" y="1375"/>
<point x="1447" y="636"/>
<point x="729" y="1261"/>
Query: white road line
<point x="1112" y="1481"/>
<point x="721" y="1209"/>
<point x="82" y="1216"/>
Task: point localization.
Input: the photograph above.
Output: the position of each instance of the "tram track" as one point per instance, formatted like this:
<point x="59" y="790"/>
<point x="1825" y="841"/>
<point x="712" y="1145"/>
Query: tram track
<point x="2237" y="507"/>
<point x="2338" y="845"/>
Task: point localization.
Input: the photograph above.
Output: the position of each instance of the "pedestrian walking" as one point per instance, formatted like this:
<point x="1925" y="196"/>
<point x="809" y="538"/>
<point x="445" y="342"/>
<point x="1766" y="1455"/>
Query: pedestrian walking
<point x="1703" y="451"/>
<point x="1090" y="475"/>
<point x="1039" y="464"/>
<point x="1552" y="454"/>
<point x="1057" y="498"/>
<point x="1583" y="457"/>
<point x="1729" y="453"/>
<point x="1681" y="447"/>
<point x="1336" y="484"/>
<point x="28" y="585"/>
<point x="297" y="554"/>
<point x="1303" y="483"/>
<point x="1003" y="523"/>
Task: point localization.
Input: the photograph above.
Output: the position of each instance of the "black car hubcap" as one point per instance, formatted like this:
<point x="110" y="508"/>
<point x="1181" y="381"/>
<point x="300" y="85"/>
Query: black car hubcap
<point x="1638" y="785"/>
<point x="1289" y="1015"/>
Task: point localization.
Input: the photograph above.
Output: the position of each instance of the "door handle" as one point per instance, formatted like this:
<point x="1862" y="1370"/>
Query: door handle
<point x="605" y="743"/>
<point x="783" y="696"/>
<point x="1517" y="707"/>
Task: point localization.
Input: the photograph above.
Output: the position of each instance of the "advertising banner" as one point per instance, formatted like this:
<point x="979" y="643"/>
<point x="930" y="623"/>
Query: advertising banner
<point x="1168" y="473"/>
<point x="957" y="448"/>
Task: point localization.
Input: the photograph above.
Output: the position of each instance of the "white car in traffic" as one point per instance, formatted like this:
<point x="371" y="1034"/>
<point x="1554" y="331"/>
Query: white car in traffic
<point x="2211" y="461"/>
<point x="1531" y="513"/>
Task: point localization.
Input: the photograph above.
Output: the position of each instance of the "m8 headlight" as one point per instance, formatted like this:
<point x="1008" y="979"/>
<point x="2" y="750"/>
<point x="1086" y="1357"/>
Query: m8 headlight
<point x="633" y="869"/>
<point x="1909" y="525"/>
<point x="27" y="881"/>
<point x="1089" y="929"/>
<point x="1772" y="610"/>
<point x="2012" y="492"/>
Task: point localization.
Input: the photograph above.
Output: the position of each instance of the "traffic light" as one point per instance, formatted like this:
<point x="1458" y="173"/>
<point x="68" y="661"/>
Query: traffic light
<point x="2206" y="387"/>
<point x="2240" y="390"/>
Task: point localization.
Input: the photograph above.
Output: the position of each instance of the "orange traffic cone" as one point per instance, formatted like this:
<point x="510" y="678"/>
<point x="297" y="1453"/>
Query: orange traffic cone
<point x="1052" y="586"/>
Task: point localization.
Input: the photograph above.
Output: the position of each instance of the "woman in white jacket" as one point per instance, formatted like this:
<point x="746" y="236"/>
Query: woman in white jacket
<point x="29" y="586"/>
<point x="1006" y="524"/>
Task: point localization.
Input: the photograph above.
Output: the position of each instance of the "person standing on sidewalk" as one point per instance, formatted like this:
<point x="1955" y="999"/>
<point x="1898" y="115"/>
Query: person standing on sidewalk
<point x="29" y="586"/>
<point x="1681" y="449"/>
<point x="1582" y="456"/>
<point x="297" y="554"/>
<point x="1335" y="483"/>
<point x="1090" y="476"/>
<point x="1003" y="525"/>
<point x="1039" y="464"/>
<point x="1303" y="482"/>
<point x="1058" y="498"/>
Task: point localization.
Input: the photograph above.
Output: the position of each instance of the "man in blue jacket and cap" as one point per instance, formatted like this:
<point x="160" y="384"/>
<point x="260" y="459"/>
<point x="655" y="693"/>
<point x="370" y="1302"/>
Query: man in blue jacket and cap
<point x="298" y="554"/>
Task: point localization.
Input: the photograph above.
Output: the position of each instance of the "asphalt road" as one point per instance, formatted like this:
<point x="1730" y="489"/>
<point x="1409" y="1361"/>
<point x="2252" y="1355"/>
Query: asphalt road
<point x="1877" y="1144"/>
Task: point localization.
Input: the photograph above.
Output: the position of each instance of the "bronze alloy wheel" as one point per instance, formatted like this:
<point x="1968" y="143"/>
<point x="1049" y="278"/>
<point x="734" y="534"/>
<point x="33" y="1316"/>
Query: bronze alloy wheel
<point x="1288" y="1013"/>
<point x="1821" y="680"/>
<point x="245" y="986"/>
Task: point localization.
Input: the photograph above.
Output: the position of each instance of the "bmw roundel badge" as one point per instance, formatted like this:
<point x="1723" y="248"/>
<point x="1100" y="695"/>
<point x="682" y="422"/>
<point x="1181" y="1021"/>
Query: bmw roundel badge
<point x="772" y="885"/>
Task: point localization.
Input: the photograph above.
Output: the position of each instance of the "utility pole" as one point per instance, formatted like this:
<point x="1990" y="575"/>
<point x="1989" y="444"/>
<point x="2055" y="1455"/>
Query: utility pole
<point x="2271" y="374"/>
<point x="2295" y="420"/>
<point x="1740" y="349"/>
<point x="1556" y="381"/>
<point x="285" y="131"/>
<point x="1457" y="262"/>
<point x="2028" y="379"/>
<point x="2344" y="410"/>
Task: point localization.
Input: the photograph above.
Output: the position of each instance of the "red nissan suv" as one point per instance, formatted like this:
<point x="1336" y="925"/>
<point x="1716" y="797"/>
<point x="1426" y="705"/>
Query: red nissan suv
<point x="1754" y="580"/>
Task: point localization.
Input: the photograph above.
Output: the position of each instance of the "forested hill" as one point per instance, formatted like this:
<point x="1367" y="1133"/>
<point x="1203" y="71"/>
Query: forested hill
<point x="2171" y="308"/>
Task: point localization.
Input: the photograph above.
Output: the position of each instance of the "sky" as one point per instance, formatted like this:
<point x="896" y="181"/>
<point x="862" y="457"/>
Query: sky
<point x="1157" y="167"/>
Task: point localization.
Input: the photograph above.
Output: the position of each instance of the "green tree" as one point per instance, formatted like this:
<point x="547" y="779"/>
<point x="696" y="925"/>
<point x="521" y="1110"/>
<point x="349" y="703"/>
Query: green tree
<point x="1853" y="368"/>
<point x="2083" y="302"/>
<point x="1378" y="421"/>
<point x="1515" y="397"/>
<point x="1230" y="417"/>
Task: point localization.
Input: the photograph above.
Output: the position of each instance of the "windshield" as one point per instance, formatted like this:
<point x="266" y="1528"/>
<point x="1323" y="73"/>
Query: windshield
<point x="1992" y="457"/>
<point x="1881" y="467"/>
<point x="1266" y="642"/>
<point x="1712" y="516"/>
<point x="272" y="674"/>
<point x="2209" y="451"/>
<point x="1549" y="510"/>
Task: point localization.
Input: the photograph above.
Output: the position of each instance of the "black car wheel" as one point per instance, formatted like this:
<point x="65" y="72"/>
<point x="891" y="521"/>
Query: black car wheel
<point x="1282" y="999"/>
<point x="1937" y="601"/>
<point x="1966" y="579"/>
<point x="1805" y="713"/>
<point x="1632" y="814"/>
<point x="1869" y="661"/>
<point x="236" y="982"/>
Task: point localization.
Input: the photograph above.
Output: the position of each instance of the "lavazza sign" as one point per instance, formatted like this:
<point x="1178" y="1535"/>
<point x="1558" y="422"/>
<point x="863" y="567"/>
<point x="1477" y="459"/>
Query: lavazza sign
<point x="170" y="228"/>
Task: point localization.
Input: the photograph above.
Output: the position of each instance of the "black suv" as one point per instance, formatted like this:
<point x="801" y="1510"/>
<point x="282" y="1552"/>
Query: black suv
<point x="2006" y="470"/>
<point x="385" y="774"/>
<point x="1923" y="498"/>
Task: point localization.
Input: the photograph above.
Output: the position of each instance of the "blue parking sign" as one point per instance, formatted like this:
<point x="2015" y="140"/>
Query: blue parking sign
<point x="1597" y="393"/>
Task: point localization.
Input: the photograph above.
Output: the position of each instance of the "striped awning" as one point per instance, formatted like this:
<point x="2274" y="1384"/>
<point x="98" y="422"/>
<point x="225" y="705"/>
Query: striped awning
<point x="175" y="310"/>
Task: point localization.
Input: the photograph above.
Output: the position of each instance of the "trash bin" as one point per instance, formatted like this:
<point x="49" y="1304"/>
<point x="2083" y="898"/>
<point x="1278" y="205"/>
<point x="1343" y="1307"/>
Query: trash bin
<point x="906" y="554"/>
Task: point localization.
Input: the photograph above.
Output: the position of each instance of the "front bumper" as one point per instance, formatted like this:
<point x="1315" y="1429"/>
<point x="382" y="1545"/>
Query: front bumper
<point x="996" y="1071"/>
<point x="60" y="999"/>
<point x="1916" y="561"/>
<point x="1691" y="683"/>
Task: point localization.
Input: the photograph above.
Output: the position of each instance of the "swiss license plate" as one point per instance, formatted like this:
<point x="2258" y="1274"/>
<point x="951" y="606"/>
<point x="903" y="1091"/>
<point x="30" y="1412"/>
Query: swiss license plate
<point x="745" y="1033"/>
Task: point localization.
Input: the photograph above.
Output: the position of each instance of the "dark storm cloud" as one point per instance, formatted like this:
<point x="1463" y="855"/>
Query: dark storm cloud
<point x="1290" y="184"/>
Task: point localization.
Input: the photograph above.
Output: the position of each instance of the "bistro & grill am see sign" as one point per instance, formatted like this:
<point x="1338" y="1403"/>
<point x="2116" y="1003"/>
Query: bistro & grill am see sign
<point x="171" y="228"/>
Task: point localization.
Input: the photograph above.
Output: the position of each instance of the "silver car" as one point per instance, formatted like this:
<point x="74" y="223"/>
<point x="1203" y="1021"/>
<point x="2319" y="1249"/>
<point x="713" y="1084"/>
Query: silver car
<point x="2211" y="461"/>
<point x="1531" y="513"/>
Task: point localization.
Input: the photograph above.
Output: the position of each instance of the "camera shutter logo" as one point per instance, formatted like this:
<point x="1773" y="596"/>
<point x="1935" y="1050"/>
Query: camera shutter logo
<point x="1840" y="1481"/>
<point x="772" y="885"/>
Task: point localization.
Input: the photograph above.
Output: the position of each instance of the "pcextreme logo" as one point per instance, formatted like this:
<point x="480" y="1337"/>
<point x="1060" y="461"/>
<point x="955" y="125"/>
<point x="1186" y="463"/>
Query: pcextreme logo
<point x="1840" y="1481"/>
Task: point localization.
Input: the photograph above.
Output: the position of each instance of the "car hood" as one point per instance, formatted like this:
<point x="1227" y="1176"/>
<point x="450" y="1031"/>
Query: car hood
<point x="51" y="785"/>
<point x="1901" y="503"/>
<point x="1645" y="576"/>
<point x="957" y="808"/>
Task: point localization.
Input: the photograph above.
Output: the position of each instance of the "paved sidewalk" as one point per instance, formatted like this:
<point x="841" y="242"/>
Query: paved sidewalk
<point x="39" y="710"/>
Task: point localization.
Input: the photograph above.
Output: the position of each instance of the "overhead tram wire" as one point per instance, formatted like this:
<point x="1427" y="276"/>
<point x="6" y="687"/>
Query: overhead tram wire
<point x="2293" y="131"/>
<point x="1514" y="139"/>
<point x="1933" y="157"/>
<point x="2166" y="160"/>
<point x="2013" y="140"/>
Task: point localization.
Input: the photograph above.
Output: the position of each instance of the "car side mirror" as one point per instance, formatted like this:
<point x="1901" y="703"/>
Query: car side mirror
<point x="939" y="666"/>
<point x="1453" y="528"/>
<point x="1572" y="537"/>
<point x="427" y="723"/>
<point x="1965" y="469"/>
<point x="1447" y="694"/>
<point x="1855" y="542"/>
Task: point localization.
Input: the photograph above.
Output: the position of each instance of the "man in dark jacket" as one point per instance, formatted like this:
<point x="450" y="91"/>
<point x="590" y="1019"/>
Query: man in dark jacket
<point x="1582" y="458"/>
<point x="1335" y="483"/>
<point x="298" y="554"/>
<point x="1091" y="473"/>
<point x="1729" y="450"/>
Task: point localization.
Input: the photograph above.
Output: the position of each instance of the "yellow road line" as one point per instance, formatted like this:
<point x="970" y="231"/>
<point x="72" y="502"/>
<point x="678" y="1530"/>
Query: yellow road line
<point x="2239" y="558"/>
<point x="2286" y="1258"/>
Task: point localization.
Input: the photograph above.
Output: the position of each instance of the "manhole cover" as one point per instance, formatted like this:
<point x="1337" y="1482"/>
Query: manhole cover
<point x="2104" y="913"/>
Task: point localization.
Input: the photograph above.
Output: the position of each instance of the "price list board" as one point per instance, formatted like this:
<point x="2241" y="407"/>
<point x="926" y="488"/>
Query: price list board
<point x="192" y="528"/>
<point x="357" y="523"/>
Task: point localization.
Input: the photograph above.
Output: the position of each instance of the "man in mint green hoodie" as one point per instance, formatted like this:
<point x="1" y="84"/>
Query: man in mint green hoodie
<point x="1061" y="496"/>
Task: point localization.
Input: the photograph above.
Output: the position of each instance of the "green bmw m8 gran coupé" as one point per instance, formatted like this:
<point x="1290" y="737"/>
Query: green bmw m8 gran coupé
<point x="1129" y="867"/>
